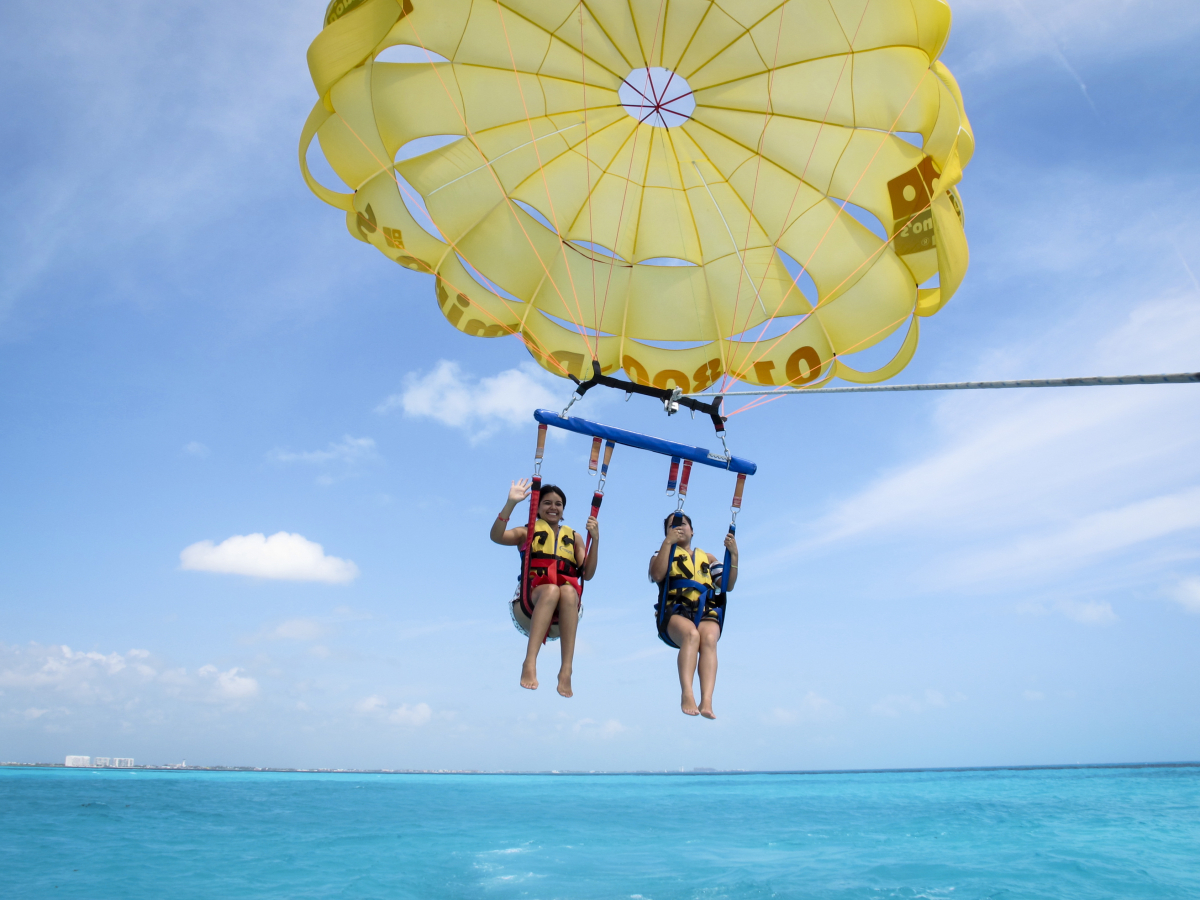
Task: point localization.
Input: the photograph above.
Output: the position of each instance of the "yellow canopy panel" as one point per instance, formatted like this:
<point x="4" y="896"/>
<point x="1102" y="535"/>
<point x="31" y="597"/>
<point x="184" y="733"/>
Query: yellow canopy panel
<point x="647" y="182"/>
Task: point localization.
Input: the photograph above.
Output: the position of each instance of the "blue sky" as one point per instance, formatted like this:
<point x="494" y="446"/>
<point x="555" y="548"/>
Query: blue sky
<point x="193" y="349"/>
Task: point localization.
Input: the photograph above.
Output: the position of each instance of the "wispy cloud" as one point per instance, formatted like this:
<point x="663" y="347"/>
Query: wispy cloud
<point x="1187" y="594"/>
<point x="1028" y="486"/>
<point x="416" y="715"/>
<point x="231" y="684"/>
<point x="282" y="556"/>
<point x="349" y="451"/>
<point x="478" y="406"/>
<point x="60" y="682"/>
<point x="297" y="630"/>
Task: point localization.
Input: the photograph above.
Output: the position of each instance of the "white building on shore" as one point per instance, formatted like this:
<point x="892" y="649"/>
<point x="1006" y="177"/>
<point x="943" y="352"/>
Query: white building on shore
<point x="99" y="762"/>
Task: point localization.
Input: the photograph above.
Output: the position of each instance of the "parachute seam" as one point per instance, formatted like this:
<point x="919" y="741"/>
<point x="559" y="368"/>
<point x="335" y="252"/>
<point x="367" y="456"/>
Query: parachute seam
<point x="687" y="46"/>
<point x="471" y="136"/>
<point x="624" y="197"/>
<point x="875" y="253"/>
<point x="587" y="166"/>
<point x="754" y="404"/>
<point x="847" y="59"/>
<point x="612" y="43"/>
<point x="450" y="243"/>
<point x="750" y="218"/>
<point x="545" y="182"/>
<point x="712" y="303"/>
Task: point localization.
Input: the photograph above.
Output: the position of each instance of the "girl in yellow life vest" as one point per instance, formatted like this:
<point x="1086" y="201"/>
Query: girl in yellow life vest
<point x="683" y="623"/>
<point x="556" y="564"/>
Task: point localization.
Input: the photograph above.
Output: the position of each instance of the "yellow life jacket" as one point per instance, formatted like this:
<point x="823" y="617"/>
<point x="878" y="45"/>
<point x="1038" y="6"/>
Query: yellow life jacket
<point x="687" y="568"/>
<point x="546" y="546"/>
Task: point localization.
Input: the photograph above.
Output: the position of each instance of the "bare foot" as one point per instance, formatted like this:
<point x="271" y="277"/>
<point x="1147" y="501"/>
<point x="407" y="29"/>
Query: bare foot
<point x="688" y="704"/>
<point x="529" y="675"/>
<point x="564" y="683"/>
<point x="706" y="711"/>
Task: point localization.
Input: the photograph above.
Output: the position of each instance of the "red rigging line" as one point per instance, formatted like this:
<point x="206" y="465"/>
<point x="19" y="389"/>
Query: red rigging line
<point x="525" y="340"/>
<point x="470" y="135"/>
<point x="870" y="257"/>
<point x="796" y="194"/>
<point x="542" y="170"/>
<point x="625" y="190"/>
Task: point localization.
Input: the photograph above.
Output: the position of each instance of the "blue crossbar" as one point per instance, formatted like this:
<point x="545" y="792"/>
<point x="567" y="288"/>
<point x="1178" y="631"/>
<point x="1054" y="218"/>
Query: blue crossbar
<point x="645" y="442"/>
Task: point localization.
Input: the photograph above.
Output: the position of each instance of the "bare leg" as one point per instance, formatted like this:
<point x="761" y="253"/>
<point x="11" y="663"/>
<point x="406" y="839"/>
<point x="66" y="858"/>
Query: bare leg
<point x="683" y="632"/>
<point x="568" y="623"/>
<point x="545" y="600"/>
<point x="710" y="633"/>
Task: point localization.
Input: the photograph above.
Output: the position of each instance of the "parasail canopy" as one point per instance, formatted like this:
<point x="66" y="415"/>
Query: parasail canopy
<point x="682" y="189"/>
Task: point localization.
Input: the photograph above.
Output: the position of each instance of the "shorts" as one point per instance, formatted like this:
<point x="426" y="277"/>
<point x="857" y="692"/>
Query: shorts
<point x="713" y="612"/>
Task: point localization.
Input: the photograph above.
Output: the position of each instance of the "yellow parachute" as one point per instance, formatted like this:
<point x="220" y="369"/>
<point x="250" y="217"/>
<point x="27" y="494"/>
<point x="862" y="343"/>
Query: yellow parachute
<point x="634" y="177"/>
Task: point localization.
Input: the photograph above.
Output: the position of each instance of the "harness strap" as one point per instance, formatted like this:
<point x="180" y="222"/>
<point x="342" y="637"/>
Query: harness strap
<point x="598" y="497"/>
<point x="535" y="498"/>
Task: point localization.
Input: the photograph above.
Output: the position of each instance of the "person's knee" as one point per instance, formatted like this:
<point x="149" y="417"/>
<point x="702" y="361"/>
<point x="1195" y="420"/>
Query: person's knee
<point x="567" y="598"/>
<point x="709" y="638"/>
<point x="546" y="594"/>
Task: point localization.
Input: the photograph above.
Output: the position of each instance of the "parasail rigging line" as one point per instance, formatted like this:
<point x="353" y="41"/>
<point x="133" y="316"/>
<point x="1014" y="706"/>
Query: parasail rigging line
<point x="520" y="333"/>
<point x="587" y="166"/>
<point x="732" y="239"/>
<point x="625" y="191"/>
<point x="758" y="153"/>
<point x="507" y="152"/>
<point x="889" y="327"/>
<point x="545" y="183"/>
<point x="1087" y="381"/>
<point x="871" y="258"/>
<point x="470" y="135"/>
<point x="803" y="174"/>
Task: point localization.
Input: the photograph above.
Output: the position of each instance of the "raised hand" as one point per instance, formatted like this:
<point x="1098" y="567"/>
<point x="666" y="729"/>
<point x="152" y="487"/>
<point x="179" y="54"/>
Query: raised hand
<point x="593" y="527"/>
<point x="676" y="535"/>
<point x="731" y="544"/>
<point x="519" y="490"/>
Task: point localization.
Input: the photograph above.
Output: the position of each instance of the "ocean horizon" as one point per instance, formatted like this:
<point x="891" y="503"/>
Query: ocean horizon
<point x="1064" y="832"/>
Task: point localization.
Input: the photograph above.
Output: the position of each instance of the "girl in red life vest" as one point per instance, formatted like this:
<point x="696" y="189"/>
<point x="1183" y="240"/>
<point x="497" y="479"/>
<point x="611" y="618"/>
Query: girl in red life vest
<point x="556" y="564"/>
<point x="682" y="621"/>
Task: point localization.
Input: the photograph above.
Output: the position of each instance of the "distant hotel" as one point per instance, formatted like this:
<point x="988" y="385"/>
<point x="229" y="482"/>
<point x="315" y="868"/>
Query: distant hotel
<point x="100" y="762"/>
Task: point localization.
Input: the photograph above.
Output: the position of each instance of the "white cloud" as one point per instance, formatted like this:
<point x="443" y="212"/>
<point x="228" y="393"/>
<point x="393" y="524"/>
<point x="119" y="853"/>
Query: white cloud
<point x="1017" y="487"/>
<point x="298" y="630"/>
<point x="370" y="704"/>
<point x="418" y="714"/>
<point x="55" y="681"/>
<point x="1087" y="612"/>
<point x="195" y="448"/>
<point x="813" y="708"/>
<point x="607" y="729"/>
<point x="1187" y="594"/>
<point x="282" y="556"/>
<point x="229" y="685"/>
<point x="478" y="406"/>
<point x="415" y="715"/>
<point x="349" y="451"/>
<point x="1034" y="696"/>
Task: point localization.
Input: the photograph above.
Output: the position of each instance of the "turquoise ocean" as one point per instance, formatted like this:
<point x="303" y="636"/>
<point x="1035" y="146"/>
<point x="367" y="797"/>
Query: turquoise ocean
<point x="1061" y="834"/>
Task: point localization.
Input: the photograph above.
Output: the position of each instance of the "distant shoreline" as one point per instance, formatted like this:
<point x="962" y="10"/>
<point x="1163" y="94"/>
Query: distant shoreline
<point x="644" y="772"/>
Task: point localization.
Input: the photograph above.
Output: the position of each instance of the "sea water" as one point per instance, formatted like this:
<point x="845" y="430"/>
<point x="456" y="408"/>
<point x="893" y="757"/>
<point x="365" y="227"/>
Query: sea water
<point x="959" y="835"/>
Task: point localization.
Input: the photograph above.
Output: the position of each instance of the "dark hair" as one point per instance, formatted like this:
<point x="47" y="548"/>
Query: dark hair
<point x="552" y="489"/>
<point x="667" y="521"/>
